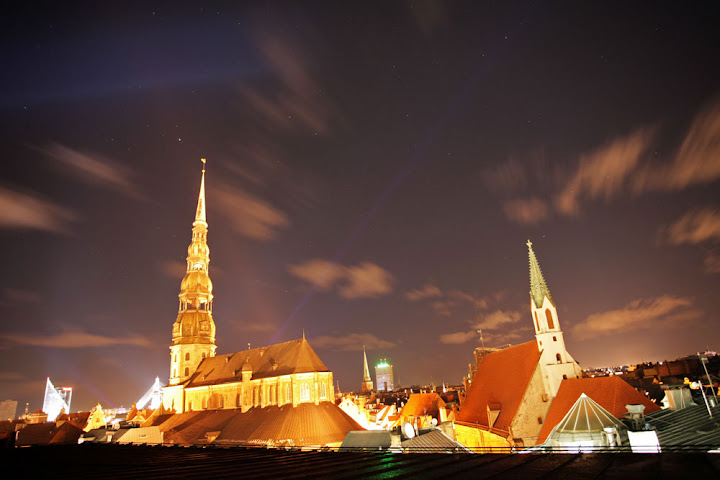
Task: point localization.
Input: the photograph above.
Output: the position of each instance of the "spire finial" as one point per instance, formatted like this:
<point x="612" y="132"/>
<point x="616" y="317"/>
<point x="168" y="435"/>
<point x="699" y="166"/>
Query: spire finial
<point x="529" y="244"/>
<point x="200" y="215"/>
<point x="303" y="333"/>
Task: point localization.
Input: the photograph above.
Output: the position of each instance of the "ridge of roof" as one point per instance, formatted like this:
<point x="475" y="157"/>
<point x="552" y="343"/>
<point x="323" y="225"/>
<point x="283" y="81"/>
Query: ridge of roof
<point x="293" y="356"/>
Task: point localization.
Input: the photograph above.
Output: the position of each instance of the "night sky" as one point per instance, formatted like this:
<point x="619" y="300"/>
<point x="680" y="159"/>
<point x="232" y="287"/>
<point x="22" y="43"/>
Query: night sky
<point x="374" y="171"/>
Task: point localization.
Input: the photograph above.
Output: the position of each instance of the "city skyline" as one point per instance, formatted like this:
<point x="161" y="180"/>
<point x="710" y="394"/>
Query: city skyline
<point x="372" y="180"/>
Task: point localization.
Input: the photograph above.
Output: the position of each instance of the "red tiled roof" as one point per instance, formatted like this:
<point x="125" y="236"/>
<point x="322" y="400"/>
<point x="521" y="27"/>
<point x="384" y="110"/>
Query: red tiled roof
<point x="611" y="393"/>
<point x="423" y="404"/>
<point x="501" y="380"/>
<point x="295" y="356"/>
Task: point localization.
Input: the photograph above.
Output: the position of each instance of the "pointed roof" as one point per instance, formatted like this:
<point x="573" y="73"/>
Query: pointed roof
<point x="366" y="370"/>
<point x="611" y="393"/>
<point x="500" y="384"/>
<point x="200" y="215"/>
<point x="538" y="287"/>
<point x="295" y="356"/>
<point x="585" y="416"/>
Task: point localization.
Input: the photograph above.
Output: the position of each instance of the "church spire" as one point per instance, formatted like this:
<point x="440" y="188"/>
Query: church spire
<point x="538" y="288"/>
<point x="367" y="381"/>
<point x="193" y="335"/>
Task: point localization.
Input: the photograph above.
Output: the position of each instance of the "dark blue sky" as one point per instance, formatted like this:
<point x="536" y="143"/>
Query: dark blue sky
<point x="374" y="170"/>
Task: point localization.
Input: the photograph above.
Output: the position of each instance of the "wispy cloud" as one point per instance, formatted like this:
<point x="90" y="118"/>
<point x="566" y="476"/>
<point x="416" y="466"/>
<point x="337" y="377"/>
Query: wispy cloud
<point x="695" y="227"/>
<point x="701" y="225"/>
<point x="428" y="291"/>
<point x="602" y="173"/>
<point x="489" y="323"/>
<point x="526" y="211"/>
<point x="248" y="214"/>
<point x="351" y="342"/>
<point x="663" y="311"/>
<point x="94" y="169"/>
<point x="22" y="211"/>
<point x="298" y="102"/>
<point x="75" y="339"/>
<point x="446" y="302"/>
<point x="695" y="162"/>
<point x="357" y="281"/>
<point x="174" y="269"/>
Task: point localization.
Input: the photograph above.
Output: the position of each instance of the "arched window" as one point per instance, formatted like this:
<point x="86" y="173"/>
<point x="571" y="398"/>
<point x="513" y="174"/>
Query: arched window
<point x="176" y="358"/>
<point x="271" y="398"/>
<point x="187" y="371"/>
<point x="558" y="357"/>
<point x="548" y="314"/>
<point x="323" y="390"/>
<point x="187" y="356"/>
<point x="203" y="355"/>
<point x="288" y="393"/>
<point x="204" y="403"/>
<point x="221" y="402"/>
<point x="238" y="401"/>
<point x="256" y="396"/>
<point x="190" y="407"/>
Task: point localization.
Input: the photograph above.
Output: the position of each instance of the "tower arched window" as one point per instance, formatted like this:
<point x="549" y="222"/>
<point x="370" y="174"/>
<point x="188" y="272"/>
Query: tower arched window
<point x="558" y="358"/>
<point x="305" y="392"/>
<point x="187" y="356"/>
<point x="203" y="355"/>
<point x="549" y="316"/>
<point x="187" y="371"/>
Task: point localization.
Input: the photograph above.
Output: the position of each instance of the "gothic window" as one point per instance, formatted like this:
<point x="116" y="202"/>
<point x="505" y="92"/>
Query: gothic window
<point x="558" y="357"/>
<point x="221" y="402"/>
<point x="271" y="399"/>
<point x="187" y="371"/>
<point x="323" y="390"/>
<point x="256" y="396"/>
<point x="548" y="314"/>
<point x="176" y="358"/>
<point x="204" y="403"/>
<point x="187" y="356"/>
<point x="288" y="393"/>
<point x="238" y="400"/>
<point x="190" y="407"/>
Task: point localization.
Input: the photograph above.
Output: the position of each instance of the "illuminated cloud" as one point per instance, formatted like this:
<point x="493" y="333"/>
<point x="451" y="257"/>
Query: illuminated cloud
<point x="366" y="280"/>
<point x="352" y="342"/>
<point x="247" y="214"/>
<point x="253" y="326"/>
<point x="603" y="173"/>
<point x="663" y="311"/>
<point x="75" y="339"/>
<point x="487" y="323"/>
<point x="323" y="274"/>
<point x="526" y="211"/>
<point x="428" y="291"/>
<point x="696" y="161"/>
<point x="712" y="263"/>
<point x="496" y="319"/>
<point x="93" y="169"/>
<point x="695" y="227"/>
<point x="21" y="211"/>
<point x="358" y="281"/>
<point x="459" y="337"/>
<point x="445" y="302"/>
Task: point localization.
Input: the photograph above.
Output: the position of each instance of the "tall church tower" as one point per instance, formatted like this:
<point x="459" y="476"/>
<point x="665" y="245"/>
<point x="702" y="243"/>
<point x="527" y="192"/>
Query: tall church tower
<point x="193" y="334"/>
<point x="555" y="362"/>
<point x="367" y="384"/>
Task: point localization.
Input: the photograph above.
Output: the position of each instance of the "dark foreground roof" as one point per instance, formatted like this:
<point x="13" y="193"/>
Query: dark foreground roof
<point x="138" y="462"/>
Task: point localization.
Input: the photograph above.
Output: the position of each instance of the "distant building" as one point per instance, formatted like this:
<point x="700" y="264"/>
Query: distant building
<point x="56" y="400"/>
<point x="384" y="376"/>
<point x="8" y="409"/>
<point x="367" y="384"/>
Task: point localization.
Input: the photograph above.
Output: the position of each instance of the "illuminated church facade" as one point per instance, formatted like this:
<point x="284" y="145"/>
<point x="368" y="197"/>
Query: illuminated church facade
<point x="288" y="373"/>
